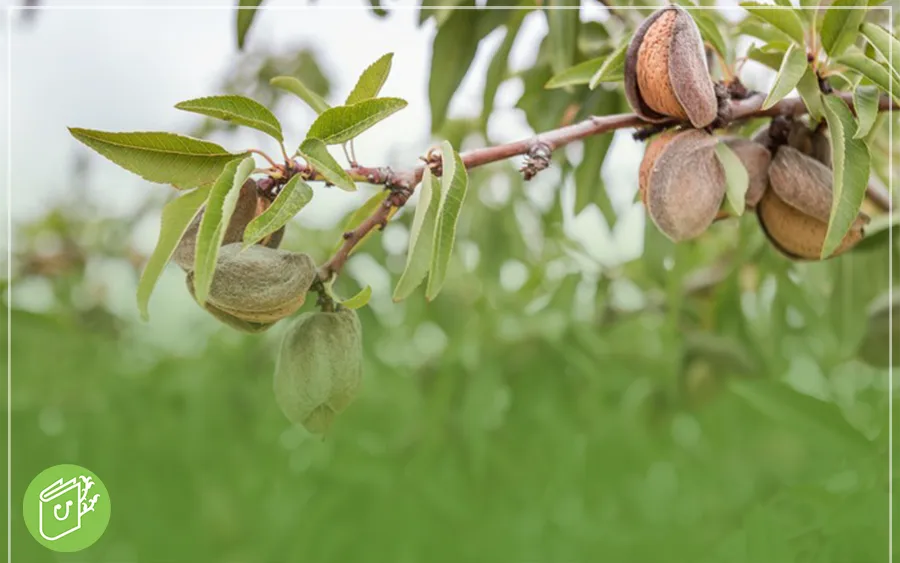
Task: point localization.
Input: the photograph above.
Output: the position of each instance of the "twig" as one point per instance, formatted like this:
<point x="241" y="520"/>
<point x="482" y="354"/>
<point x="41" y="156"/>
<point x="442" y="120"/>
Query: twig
<point x="406" y="181"/>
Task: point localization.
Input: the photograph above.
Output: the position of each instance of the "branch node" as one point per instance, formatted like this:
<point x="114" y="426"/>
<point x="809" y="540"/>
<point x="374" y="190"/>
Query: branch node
<point x="537" y="159"/>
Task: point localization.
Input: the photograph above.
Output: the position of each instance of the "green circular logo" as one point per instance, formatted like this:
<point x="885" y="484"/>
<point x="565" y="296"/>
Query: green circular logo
<point x="66" y="508"/>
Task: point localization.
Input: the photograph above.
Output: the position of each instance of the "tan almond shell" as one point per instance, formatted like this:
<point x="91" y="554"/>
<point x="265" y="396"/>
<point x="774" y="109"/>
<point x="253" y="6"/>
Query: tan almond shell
<point x="801" y="182"/>
<point x="686" y="185"/>
<point x="756" y="159"/>
<point x="797" y="235"/>
<point x="665" y="70"/>
<point x="651" y="153"/>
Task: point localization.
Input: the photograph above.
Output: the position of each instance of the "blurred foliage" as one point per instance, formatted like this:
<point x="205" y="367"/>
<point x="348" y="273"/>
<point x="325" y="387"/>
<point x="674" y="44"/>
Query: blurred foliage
<point x="710" y="401"/>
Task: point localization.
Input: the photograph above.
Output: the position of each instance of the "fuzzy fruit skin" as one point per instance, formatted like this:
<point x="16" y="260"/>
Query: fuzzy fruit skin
<point x="259" y="285"/>
<point x="682" y="183"/>
<point x="319" y="367"/>
<point x="665" y="70"/>
<point x="794" y="212"/>
<point x="248" y="206"/>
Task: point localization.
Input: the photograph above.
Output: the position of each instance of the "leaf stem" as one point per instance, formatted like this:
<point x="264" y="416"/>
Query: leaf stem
<point x="265" y="156"/>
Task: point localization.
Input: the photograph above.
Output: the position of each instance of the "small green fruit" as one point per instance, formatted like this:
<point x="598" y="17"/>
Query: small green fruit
<point x="319" y="367"/>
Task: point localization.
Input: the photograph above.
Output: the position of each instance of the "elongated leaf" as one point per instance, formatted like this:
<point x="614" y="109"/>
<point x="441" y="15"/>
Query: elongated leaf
<point x="219" y="208"/>
<point x="758" y="28"/>
<point x="709" y="31"/>
<point x="737" y="180"/>
<point x="237" y="109"/>
<point x="245" y="14"/>
<point x="294" y="86"/>
<point x="291" y="199"/>
<point x="176" y="218"/>
<point x="454" y="184"/>
<point x="613" y="67"/>
<point x="371" y="80"/>
<point x="770" y="57"/>
<point x="808" y="88"/>
<point x="421" y="238"/>
<point x="786" y="21"/>
<point x="878" y="74"/>
<point x="886" y="44"/>
<point x="562" y="21"/>
<point x="789" y="74"/>
<point x="865" y="101"/>
<point x="453" y="50"/>
<point x="340" y="124"/>
<point x="840" y="27"/>
<point x="578" y="74"/>
<point x="316" y="153"/>
<point x="796" y="410"/>
<point x="499" y="65"/>
<point x="165" y="158"/>
<point x="359" y="300"/>
<point x="850" y="165"/>
<point x="589" y="184"/>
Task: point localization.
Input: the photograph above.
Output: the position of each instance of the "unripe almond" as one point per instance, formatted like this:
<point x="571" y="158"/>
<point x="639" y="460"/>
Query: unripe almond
<point x="248" y="206"/>
<point x="259" y="284"/>
<point x="665" y="70"/>
<point x="682" y="183"/>
<point x="794" y="212"/>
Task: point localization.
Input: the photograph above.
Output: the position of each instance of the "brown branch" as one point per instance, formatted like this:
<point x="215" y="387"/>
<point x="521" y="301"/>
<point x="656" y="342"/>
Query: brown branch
<point x="534" y="147"/>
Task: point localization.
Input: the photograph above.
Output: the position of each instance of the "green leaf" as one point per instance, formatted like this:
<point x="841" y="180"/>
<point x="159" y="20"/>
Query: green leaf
<point x="294" y="86"/>
<point x="291" y="199"/>
<point x="499" y="64"/>
<point x="786" y="21"/>
<point x="770" y="57"/>
<point x="865" y="101"/>
<point x="165" y="158"/>
<point x="878" y="74"/>
<point x="237" y="109"/>
<point x="758" y="28"/>
<point x="342" y="123"/>
<point x="316" y="153"/>
<point x="850" y="165"/>
<point x="789" y="74"/>
<point x="840" y="27"/>
<point x="454" y="183"/>
<point x="421" y="238"/>
<point x="361" y="214"/>
<point x="245" y="14"/>
<point x="886" y="44"/>
<point x="797" y="410"/>
<point x="562" y="21"/>
<point x="371" y="80"/>
<point x="219" y="207"/>
<point x="177" y="216"/>
<point x="613" y="68"/>
<point x="709" y="31"/>
<point x="578" y="74"/>
<point x="737" y="180"/>
<point x="808" y="88"/>
<point x="359" y="300"/>
<point x="453" y="50"/>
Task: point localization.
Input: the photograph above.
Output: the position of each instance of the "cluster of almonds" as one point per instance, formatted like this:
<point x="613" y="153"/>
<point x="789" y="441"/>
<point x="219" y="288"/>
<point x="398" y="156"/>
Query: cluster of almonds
<point x="682" y="183"/>
<point x="319" y="368"/>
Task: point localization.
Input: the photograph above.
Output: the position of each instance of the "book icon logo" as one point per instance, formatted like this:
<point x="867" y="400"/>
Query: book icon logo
<point x="66" y="508"/>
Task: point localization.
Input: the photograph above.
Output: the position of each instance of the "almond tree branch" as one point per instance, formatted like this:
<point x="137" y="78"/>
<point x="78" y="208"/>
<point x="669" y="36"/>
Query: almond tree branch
<point x="537" y="150"/>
